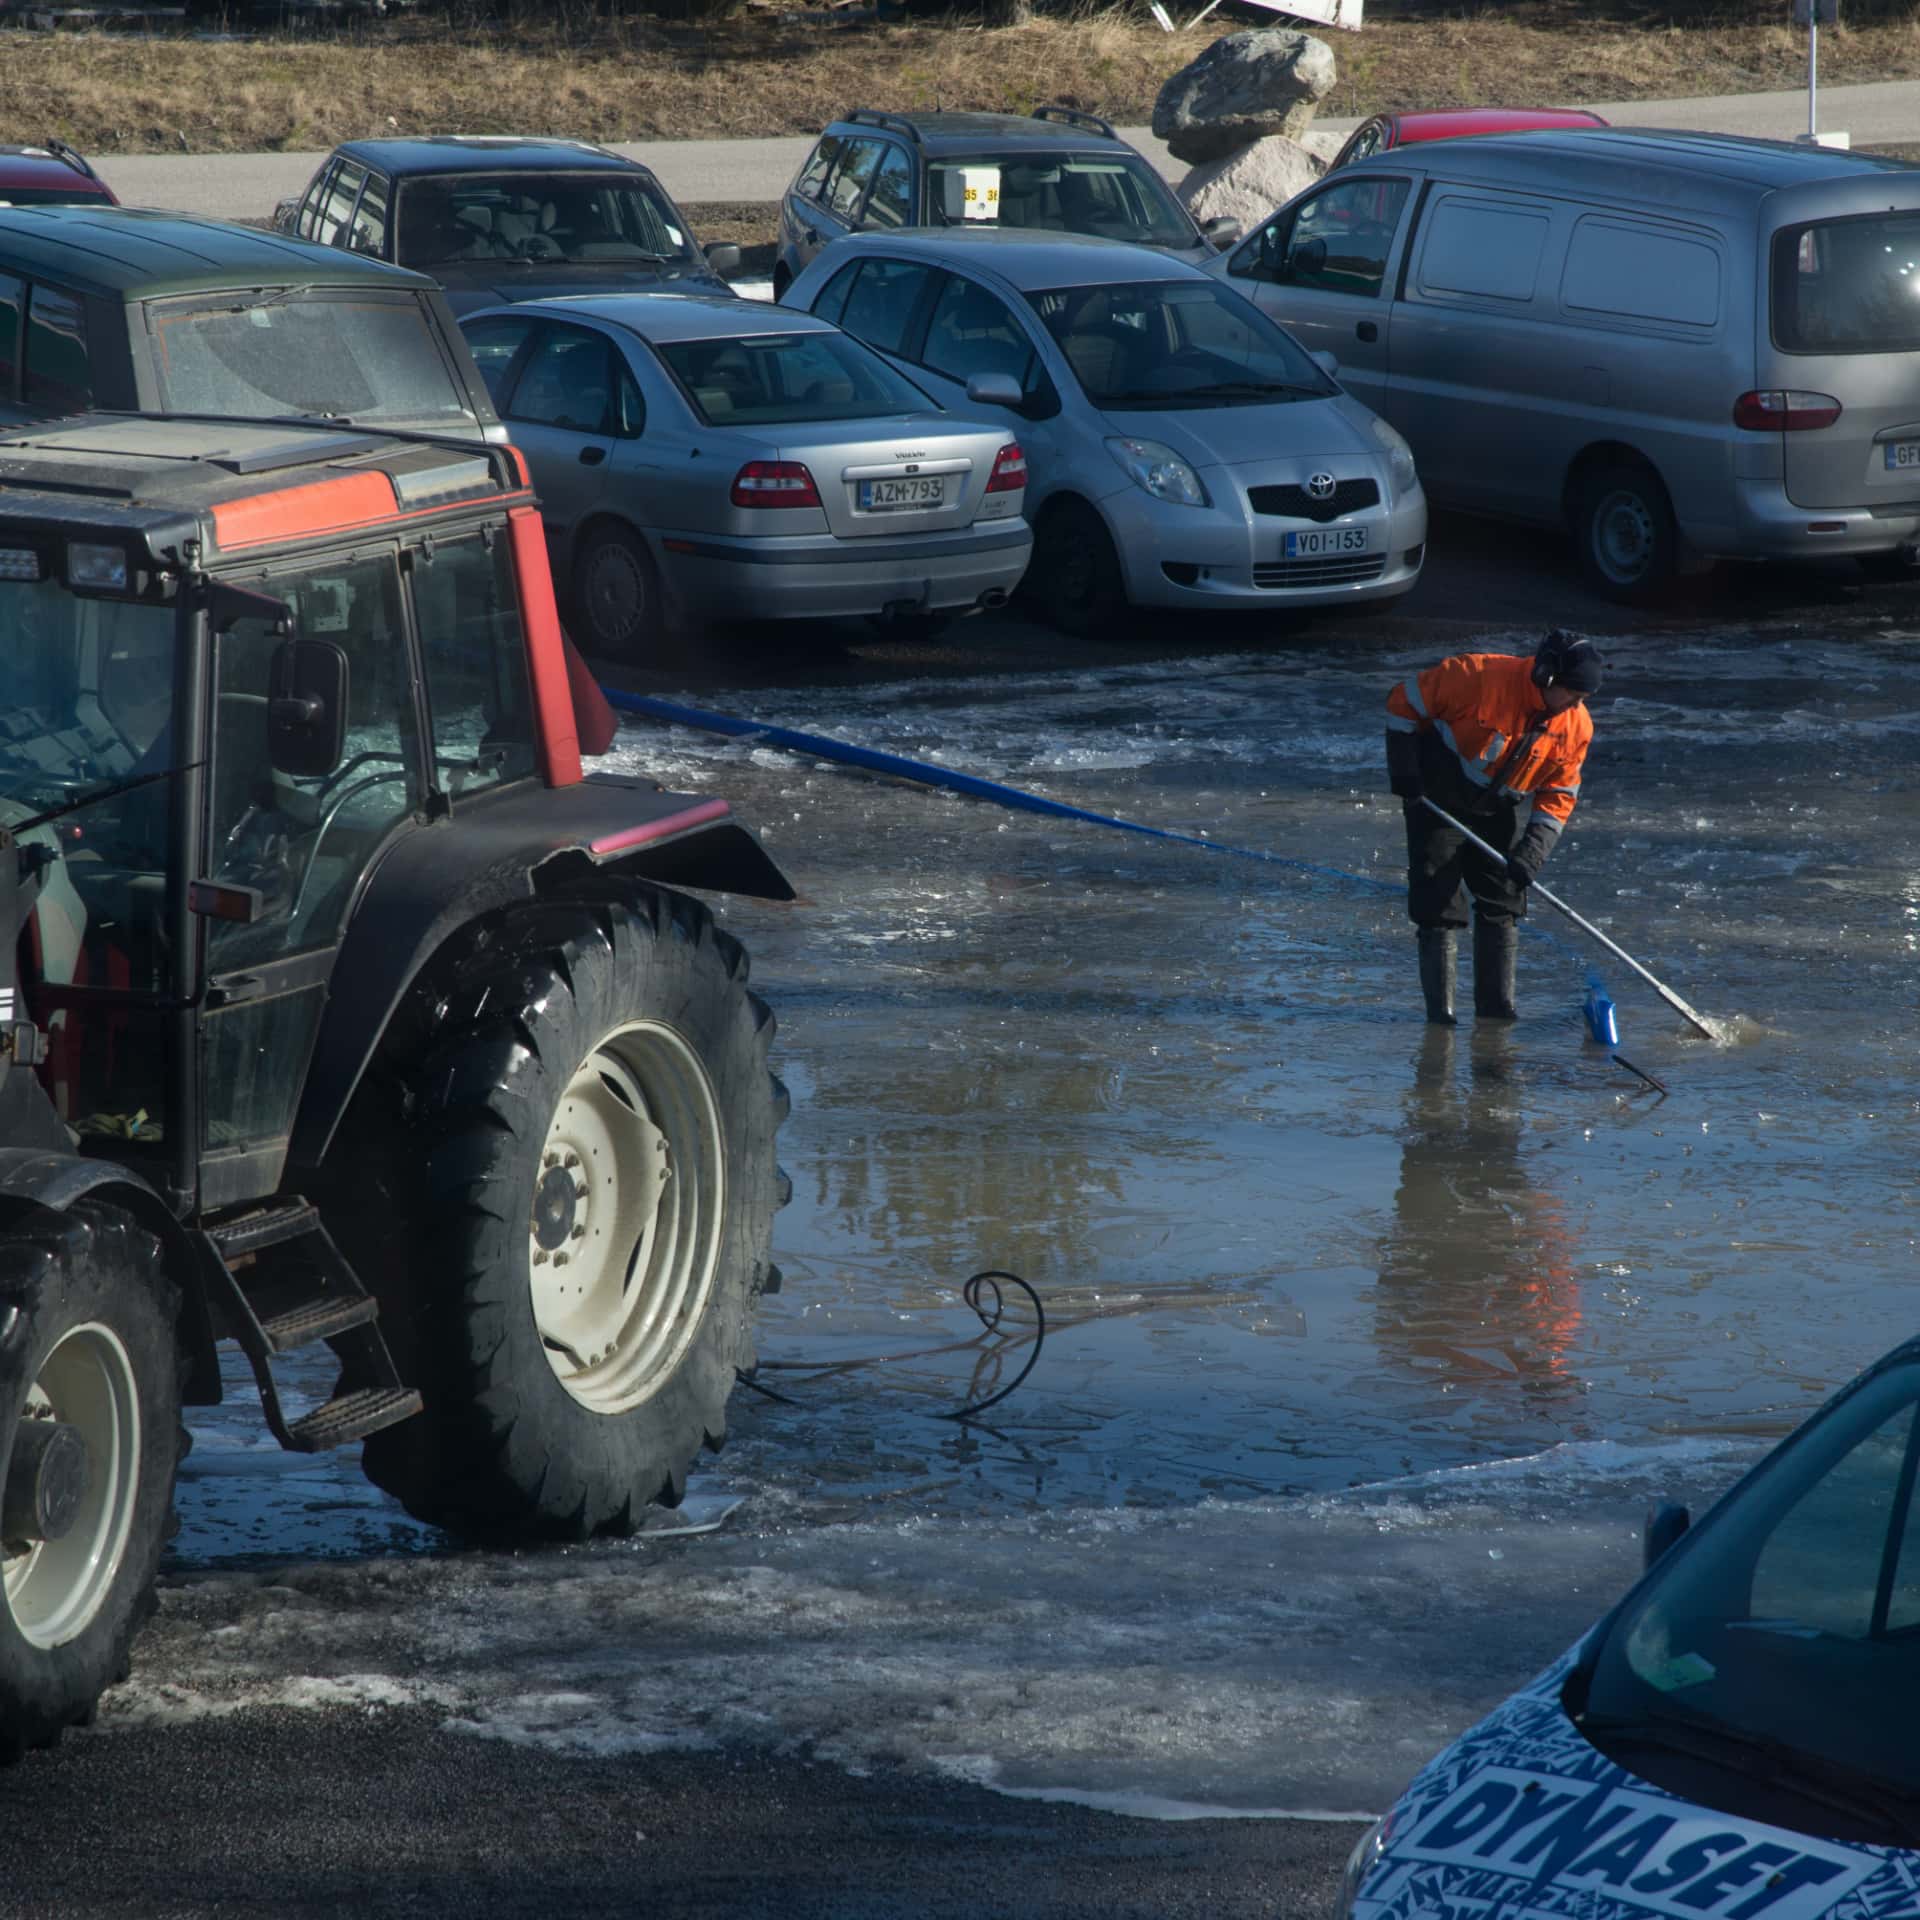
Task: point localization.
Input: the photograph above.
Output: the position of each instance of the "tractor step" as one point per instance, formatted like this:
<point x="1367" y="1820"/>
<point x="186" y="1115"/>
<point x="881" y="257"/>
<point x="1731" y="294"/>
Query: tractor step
<point x="352" y="1417"/>
<point x="278" y="1282"/>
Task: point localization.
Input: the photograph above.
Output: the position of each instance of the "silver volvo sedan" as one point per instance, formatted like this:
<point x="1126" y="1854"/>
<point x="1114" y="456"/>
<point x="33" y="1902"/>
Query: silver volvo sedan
<point x="716" y="459"/>
<point x="1186" y="451"/>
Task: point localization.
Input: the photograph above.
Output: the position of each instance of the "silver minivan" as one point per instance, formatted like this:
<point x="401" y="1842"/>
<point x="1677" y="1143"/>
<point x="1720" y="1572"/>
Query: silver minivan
<point x="1683" y="346"/>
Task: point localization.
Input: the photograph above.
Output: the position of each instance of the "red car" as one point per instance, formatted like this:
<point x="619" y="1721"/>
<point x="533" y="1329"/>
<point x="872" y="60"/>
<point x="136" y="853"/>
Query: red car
<point x="1386" y="130"/>
<point x="49" y="176"/>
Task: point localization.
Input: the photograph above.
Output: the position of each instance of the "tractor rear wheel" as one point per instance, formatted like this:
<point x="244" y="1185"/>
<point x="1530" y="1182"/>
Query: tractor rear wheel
<point x="586" y="1203"/>
<point x="89" y="1442"/>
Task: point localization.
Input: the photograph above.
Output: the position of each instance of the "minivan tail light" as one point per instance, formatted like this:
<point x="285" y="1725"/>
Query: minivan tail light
<point x="1785" y="412"/>
<point x="774" y="483"/>
<point x="1009" y="470"/>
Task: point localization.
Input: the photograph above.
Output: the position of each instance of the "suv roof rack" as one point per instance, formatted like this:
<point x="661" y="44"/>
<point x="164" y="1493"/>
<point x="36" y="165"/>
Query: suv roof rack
<point x="1075" y="118"/>
<point x="62" y="152"/>
<point x="869" y="117"/>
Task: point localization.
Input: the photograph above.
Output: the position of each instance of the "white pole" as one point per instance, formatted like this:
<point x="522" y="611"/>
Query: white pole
<point x="1813" y="70"/>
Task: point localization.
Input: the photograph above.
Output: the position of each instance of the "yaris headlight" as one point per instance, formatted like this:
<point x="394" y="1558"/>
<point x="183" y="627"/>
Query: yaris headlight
<point x="1399" y="456"/>
<point x="1361" y="1862"/>
<point x="1155" y="467"/>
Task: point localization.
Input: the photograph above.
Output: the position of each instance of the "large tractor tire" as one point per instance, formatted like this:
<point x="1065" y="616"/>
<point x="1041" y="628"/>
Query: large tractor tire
<point x="89" y="1443"/>
<point x="581" y="1205"/>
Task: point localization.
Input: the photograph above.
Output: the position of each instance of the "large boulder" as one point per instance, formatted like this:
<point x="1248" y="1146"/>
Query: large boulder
<point x="1245" y="87"/>
<point x="1248" y="185"/>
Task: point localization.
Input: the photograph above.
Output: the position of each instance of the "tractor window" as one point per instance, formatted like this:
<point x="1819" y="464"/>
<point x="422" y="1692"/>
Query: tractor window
<point x="304" y="843"/>
<point x="467" y="614"/>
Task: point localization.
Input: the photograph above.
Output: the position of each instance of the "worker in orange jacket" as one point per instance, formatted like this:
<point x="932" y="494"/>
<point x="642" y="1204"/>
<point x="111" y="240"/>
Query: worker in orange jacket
<point x="1498" y="741"/>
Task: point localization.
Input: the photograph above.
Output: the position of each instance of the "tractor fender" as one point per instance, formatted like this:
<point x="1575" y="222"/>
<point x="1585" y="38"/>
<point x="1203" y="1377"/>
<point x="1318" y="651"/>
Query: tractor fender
<point x="499" y="851"/>
<point x="32" y="1178"/>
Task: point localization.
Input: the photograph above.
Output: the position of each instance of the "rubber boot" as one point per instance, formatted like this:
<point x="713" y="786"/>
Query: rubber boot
<point x="1496" y="950"/>
<point x="1438" y="969"/>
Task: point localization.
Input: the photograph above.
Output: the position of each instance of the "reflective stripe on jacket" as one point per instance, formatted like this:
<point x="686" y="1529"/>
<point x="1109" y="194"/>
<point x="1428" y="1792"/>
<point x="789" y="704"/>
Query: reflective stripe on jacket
<point x="1488" y="711"/>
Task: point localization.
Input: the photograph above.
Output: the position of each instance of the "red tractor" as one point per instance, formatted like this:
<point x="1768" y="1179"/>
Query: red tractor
<point x="336" y="1005"/>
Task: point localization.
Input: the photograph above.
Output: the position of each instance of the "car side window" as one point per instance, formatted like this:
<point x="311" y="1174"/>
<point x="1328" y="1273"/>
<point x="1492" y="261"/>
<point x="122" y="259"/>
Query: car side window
<point x="370" y="218"/>
<point x="336" y="210"/>
<point x="569" y="382"/>
<point x="59" y="375"/>
<point x="1340" y="239"/>
<point x="309" y="214"/>
<point x="851" y="177"/>
<point x="832" y="302"/>
<point x="884" y="299"/>
<point x="972" y="332"/>
<point x="813" y="176"/>
<point x="890" y="203"/>
<point x="494" y="342"/>
<point x="13" y="298"/>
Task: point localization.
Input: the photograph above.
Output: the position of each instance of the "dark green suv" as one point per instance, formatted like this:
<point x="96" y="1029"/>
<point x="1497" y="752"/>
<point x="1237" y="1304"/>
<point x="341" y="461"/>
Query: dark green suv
<point x="129" y="310"/>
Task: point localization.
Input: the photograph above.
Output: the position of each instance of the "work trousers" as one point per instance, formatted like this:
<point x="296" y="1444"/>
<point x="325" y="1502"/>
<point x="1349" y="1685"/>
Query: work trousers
<point x="1445" y="870"/>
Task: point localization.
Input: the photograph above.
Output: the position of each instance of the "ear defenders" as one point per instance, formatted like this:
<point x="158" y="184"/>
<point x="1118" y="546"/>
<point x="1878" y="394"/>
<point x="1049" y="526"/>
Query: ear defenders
<point x="1567" y="659"/>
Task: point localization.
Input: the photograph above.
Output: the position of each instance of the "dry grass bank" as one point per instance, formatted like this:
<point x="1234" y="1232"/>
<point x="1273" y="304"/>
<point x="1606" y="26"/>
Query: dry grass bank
<point x="753" y="75"/>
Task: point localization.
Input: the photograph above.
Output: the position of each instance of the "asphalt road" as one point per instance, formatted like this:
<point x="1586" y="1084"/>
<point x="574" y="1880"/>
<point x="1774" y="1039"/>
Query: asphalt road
<point x="235" y="185"/>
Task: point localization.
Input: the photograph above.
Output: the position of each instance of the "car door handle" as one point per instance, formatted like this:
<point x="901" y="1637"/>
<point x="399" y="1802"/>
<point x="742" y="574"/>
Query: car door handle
<point x="1367" y="330"/>
<point x="592" y="456"/>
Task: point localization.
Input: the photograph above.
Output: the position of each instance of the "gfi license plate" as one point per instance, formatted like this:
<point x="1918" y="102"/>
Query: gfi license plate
<point x="1903" y="453"/>
<point x="883" y="496"/>
<point x="1303" y="546"/>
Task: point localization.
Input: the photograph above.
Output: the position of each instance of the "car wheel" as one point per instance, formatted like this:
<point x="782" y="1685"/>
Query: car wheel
<point x="1623" y="524"/>
<point x="1075" y="573"/>
<point x="616" y="592"/>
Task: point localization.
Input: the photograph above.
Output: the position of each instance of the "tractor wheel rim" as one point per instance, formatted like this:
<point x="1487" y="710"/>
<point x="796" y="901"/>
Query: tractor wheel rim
<point x="623" y="1238"/>
<point x="1623" y="536"/>
<point x="56" y="1588"/>
<point x="616" y="593"/>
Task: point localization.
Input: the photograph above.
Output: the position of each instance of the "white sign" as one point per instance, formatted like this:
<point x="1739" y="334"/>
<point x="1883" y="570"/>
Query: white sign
<point x="980" y="193"/>
<point x="1336" y="13"/>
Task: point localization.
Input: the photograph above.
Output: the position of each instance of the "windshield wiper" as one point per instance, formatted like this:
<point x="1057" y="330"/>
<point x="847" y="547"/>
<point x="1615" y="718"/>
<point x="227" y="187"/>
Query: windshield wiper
<point x="275" y="299"/>
<point x="109" y="792"/>
<point x="1824" y="1782"/>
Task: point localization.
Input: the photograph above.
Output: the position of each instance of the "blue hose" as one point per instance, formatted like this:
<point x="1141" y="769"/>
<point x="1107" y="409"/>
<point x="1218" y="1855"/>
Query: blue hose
<point x="899" y="767"/>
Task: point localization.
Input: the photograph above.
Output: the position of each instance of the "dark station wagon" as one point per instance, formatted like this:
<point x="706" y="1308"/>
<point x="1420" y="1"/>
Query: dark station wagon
<point x="497" y="219"/>
<point x="123" y="309"/>
<point x="1058" y="169"/>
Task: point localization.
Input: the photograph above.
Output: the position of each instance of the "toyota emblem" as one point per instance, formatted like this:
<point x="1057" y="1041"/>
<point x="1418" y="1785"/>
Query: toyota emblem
<point x="1320" y="486"/>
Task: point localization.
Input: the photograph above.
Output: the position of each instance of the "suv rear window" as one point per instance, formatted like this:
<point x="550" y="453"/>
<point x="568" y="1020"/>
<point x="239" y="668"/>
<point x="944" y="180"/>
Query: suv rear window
<point x="364" y="357"/>
<point x="1848" y="286"/>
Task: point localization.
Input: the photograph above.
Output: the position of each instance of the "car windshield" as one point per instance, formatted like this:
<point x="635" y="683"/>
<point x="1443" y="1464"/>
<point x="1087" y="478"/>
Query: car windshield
<point x="1848" y="286"/>
<point x="1176" y="344"/>
<point x="1117" y="196"/>
<point x="1788" y="1627"/>
<point x="780" y="379"/>
<point x="264" y="354"/>
<point x="610" y="219"/>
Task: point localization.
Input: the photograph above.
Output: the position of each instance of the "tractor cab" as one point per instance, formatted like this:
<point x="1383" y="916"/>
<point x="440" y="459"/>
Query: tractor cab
<point x="339" y="1003"/>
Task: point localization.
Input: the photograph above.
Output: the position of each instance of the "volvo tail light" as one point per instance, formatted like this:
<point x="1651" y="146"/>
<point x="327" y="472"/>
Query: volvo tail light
<point x="1785" y="412"/>
<point x="774" y="483"/>
<point x="1009" y="469"/>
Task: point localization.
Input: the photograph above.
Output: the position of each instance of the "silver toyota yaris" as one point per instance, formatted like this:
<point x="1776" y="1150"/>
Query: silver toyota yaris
<point x="717" y="459"/>
<point x="1185" y="451"/>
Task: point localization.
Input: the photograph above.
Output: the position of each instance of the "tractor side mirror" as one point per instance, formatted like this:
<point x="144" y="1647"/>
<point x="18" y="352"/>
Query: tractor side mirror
<point x="307" y="708"/>
<point x="1665" y="1524"/>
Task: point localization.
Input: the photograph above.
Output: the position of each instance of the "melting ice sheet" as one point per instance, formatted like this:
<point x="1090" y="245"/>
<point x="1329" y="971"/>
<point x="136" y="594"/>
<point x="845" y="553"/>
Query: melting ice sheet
<point x="1301" y="1656"/>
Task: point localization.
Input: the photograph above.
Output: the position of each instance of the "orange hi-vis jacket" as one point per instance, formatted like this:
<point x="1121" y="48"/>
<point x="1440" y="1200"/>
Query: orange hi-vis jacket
<point x="1487" y="710"/>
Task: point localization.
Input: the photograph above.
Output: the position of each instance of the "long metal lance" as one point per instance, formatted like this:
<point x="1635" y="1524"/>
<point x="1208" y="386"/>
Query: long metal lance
<point x="1553" y="900"/>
